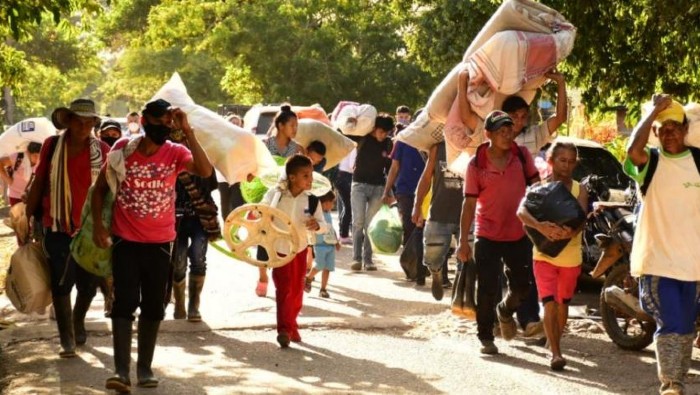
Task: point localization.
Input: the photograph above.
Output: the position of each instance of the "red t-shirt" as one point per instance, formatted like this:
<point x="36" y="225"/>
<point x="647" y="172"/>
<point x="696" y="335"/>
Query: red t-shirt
<point x="79" y="178"/>
<point x="499" y="193"/>
<point x="144" y="210"/>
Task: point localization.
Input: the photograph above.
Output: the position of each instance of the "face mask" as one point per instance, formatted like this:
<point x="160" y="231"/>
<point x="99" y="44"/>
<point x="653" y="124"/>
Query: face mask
<point x="109" y="140"/>
<point x="404" y="121"/>
<point x="157" y="133"/>
<point x="134" y="127"/>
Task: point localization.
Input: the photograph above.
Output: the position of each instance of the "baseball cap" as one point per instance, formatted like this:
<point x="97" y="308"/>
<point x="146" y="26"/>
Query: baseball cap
<point x="496" y="119"/>
<point x="156" y="108"/>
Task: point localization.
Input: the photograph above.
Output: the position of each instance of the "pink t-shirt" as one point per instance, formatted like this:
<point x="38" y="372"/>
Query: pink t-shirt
<point x="498" y="194"/>
<point x="144" y="210"/>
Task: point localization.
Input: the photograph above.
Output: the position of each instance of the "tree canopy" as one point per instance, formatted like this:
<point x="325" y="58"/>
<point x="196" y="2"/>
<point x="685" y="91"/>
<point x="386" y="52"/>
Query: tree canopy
<point x="318" y="51"/>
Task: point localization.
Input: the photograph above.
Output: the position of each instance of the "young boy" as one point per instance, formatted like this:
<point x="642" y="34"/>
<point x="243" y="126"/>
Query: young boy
<point x="326" y="246"/>
<point x="292" y="198"/>
<point x="556" y="277"/>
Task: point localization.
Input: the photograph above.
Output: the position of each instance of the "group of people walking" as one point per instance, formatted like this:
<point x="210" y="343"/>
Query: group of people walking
<point x="164" y="216"/>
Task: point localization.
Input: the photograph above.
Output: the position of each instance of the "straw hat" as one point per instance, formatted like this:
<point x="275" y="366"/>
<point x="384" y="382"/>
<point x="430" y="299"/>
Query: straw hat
<point x="80" y="107"/>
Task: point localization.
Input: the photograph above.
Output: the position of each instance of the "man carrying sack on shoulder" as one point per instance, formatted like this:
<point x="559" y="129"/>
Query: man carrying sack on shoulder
<point x="143" y="231"/>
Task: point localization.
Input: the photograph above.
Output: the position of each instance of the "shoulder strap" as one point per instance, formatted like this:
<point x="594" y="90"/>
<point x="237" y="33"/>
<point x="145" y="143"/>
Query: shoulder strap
<point x="313" y="204"/>
<point x="696" y="156"/>
<point x="653" y="162"/>
<point x="519" y="151"/>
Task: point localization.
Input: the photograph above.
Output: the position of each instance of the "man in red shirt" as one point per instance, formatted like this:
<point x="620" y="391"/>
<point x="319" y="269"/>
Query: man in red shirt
<point x="68" y="165"/>
<point x="497" y="176"/>
<point x="143" y="230"/>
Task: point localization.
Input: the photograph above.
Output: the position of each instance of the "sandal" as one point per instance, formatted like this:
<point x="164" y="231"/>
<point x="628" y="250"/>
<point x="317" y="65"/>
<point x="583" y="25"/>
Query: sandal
<point x="323" y="293"/>
<point x="557" y="363"/>
<point x="307" y="284"/>
<point x="261" y="289"/>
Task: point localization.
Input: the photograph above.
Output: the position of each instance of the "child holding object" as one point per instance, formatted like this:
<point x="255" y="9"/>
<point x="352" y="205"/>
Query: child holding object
<point x="556" y="277"/>
<point x="326" y="246"/>
<point x="292" y="197"/>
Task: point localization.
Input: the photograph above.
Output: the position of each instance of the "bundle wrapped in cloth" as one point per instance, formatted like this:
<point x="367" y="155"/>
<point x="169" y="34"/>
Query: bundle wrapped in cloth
<point x="510" y="55"/>
<point x="354" y="119"/>
<point x="18" y="136"/>
<point x="234" y="151"/>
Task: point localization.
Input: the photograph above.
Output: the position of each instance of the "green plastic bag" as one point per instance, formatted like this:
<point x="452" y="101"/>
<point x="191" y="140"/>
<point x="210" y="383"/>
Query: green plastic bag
<point x="90" y="257"/>
<point x="254" y="191"/>
<point x="385" y="230"/>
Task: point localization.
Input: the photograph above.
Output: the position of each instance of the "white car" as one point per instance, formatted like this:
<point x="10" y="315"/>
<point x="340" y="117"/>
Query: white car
<point x="260" y="118"/>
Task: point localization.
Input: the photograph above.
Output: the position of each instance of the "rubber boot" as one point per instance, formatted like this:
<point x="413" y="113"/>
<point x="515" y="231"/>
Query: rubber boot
<point x="121" y="341"/>
<point x="179" y="296"/>
<point x="82" y="305"/>
<point x="148" y="333"/>
<point x="670" y="360"/>
<point x="64" y="321"/>
<point x="196" y="283"/>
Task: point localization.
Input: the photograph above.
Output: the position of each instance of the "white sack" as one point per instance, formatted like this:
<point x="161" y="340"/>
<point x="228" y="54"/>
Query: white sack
<point x="337" y="145"/>
<point x="18" y="136"/>
<point x="235" y="152"/>
<point x="355" y="120"/>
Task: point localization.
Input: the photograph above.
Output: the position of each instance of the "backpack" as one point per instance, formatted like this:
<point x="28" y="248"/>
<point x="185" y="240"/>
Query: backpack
<point x="654" y="162"/>
<point x="515" y="150"/>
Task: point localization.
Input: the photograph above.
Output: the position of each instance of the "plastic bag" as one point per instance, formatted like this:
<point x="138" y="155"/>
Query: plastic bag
<point x="89" y="256"/>
<point x="464" y="292"/>
<point x="554" y="203"/>
<point x="28" y="285"/>
<point x="255" y="190"/>
<point x="385" y="230"/>
<point x="412" y="254"/>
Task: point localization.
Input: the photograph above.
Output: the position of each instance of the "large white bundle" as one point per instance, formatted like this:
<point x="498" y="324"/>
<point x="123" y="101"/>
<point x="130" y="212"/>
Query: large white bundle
<point x="521" y="15"/>
<point x="355" y="120"/>
<point x="235" y="152"/>
<point x="692" y="111"/>
<point x="27" y="284"/>
<point x="18" y="136"/>
<point x="422" y="133"/>
<point x="337" y="145"/>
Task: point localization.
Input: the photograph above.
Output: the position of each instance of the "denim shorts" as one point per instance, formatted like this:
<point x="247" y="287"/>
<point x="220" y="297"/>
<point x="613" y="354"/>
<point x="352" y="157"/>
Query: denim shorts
<point x="325" y="257"/>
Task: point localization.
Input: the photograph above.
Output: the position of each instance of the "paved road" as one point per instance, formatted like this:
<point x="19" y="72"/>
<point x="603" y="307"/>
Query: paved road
<point x="377" y="334"/>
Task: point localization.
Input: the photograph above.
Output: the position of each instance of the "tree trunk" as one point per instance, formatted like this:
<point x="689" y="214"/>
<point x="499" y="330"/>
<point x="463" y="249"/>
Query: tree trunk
<point x="9" y="105"/>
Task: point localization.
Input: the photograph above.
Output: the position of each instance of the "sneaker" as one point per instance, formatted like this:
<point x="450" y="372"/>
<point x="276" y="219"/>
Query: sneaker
<point x="346" y="241"/>
<point x="356" y="266"/>
<point x="323" y="293"/>
<point x="370" y="267"/>
<point x="283" y="340"/>
<point x="533" y="329"/>
<point x="307" y="284"/>
<point x="488" y="347"/>
<point x="436" y="286"/>
<point x="508" y="326"/>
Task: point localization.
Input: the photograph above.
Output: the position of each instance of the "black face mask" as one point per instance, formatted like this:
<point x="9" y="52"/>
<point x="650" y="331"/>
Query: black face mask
<point x="157" y="133"/>
<point x="109" y="140"/>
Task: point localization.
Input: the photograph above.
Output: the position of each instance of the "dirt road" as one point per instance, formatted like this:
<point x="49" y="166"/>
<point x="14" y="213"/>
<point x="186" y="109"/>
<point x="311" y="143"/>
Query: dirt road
<point x="377" y="334"/>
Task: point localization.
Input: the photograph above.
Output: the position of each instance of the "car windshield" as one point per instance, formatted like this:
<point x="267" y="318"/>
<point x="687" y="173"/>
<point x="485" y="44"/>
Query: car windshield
<point x="600" y="162"/>
<point x="264" y="123"/>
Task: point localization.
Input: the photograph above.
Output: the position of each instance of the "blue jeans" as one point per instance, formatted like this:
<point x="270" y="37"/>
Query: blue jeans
<point x="191" y="243"/>
<point x="437" y="238"/>
<point x="366" y="200"/>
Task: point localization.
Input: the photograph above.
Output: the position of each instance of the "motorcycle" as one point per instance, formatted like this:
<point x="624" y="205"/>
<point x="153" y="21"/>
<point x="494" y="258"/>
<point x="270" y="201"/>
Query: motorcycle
<point x="624" y="321"/>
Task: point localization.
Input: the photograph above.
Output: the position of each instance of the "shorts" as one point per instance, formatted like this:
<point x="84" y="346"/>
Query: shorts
<point x="325" y="258"/>
<point x="555" y="283"/>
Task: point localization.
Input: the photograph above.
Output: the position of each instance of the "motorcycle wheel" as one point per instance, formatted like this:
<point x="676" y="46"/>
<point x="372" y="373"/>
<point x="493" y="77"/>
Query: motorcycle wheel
<point x="627" y="332"/>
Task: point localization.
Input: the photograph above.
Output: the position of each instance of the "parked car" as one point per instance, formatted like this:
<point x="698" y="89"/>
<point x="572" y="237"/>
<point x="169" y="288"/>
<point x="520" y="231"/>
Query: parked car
<point x="259" y="119"/>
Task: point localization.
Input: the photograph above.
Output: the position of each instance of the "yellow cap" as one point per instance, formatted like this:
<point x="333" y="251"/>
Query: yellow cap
<point x="674" y="112"/>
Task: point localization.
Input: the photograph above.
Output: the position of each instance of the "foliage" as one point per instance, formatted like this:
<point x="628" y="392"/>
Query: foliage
<point x="624" y="51"/>
<point x="618" y="147"/>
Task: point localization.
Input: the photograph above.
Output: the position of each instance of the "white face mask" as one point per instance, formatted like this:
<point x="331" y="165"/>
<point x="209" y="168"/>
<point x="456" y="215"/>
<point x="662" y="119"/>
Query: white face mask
<point x="134" y="127"/>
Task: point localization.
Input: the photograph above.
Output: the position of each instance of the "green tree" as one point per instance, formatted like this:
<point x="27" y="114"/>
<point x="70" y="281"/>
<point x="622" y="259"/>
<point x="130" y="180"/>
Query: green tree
<point x="624" y="51"/>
